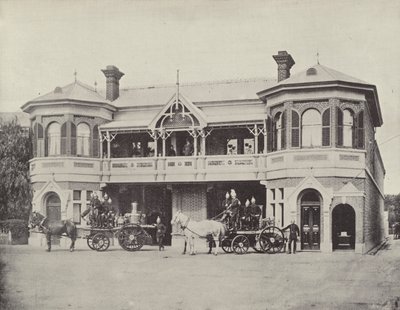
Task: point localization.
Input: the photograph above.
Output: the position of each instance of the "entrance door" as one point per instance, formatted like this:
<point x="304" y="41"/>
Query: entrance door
<point x="53" y="212"/>
<point x="343" y="227"/>
<point x="310" y="221"/>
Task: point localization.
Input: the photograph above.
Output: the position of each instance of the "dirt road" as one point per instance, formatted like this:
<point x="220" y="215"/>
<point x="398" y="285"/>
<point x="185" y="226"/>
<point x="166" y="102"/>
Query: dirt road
<point x="116" y="279"/>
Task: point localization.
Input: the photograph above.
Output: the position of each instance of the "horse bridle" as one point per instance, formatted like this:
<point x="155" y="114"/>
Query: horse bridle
<point x="183" y="227"/>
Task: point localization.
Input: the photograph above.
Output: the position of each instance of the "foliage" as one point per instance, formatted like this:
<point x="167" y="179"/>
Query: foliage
<point x="19" y="230"/>
<point x="15" y="187"/>
<point x="392" y="204"/>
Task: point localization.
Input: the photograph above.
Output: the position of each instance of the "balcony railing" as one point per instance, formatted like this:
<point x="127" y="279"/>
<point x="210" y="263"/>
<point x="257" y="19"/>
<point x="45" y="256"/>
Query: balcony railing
<point x="286" y="163"/>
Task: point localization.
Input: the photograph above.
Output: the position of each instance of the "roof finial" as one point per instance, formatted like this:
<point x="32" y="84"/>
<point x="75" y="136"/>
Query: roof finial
<point x="177" y="89"/>
<point x="317" y="57"/>
<point x="75" y="74"/>
<point x="95" y="86"/>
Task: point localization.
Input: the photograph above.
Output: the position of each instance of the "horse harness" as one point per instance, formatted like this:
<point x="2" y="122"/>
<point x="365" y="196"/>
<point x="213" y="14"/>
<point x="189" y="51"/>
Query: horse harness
<point x="183" y="227"/>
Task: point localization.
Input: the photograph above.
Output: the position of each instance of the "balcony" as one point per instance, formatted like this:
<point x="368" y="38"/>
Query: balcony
<point x="77" y="169"/>
<point x="281" y="164"/>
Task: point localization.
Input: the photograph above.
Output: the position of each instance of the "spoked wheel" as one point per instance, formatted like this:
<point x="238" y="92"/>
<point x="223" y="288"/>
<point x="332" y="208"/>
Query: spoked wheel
<point x="100" y="242"/>
<point x="89" y="241"/>
<point x="226" y="245"/>
<point x="130" y="238"/>
<point x="240" y="244"/>
<point x="271" y="240"/>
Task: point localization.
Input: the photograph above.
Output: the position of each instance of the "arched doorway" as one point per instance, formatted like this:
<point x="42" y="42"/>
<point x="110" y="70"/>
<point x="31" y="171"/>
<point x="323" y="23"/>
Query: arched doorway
<point x="343" y="227"/>
<point x="53" y="212"/>
<point x="310" y="211"/>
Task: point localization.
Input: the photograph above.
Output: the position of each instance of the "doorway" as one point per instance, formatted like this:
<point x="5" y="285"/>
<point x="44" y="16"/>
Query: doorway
<point x="53" y="213"/>
<point x="343" y="227"/>
<point x="310" y="209"/>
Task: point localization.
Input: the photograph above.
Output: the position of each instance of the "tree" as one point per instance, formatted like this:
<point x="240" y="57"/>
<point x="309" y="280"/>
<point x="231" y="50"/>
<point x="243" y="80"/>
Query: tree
<point x="392" y="204"/>
<point x="15" y="187"/>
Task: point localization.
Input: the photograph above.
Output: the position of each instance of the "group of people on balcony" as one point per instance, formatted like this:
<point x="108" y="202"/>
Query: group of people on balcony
<point x="187" y="149"/>
<point x="102" y="214"/>
<point x="238" y="217"/>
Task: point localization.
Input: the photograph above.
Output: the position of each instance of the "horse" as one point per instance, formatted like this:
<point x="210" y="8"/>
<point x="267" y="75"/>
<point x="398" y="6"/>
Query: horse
<point x="56" y="228"/>
<point x="202" y="229"/>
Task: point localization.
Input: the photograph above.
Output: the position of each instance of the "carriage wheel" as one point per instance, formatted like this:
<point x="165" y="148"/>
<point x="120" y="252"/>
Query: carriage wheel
<point x="271" y="240"/>
<point x="240" y="244"/>
<point x="226" y="245"/>
<point x="89" y="241"/>
<point x="100" y="242"/>
<point x="130" y="238"/>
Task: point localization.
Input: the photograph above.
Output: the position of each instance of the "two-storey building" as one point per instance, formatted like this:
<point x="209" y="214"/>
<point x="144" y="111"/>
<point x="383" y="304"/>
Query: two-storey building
<point x="303" y="145"/>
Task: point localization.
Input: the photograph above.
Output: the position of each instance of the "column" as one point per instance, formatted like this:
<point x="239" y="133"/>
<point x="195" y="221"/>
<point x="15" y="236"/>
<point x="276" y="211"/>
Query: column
<point x="163" y="137"/>
<point x="108" y="145"/>
<point x="256" y="133"/>
<point x="155" y="137"/>
<point x="265" y="136"/>
<point x="101" y="143"/>
<point x="195" y="146"/>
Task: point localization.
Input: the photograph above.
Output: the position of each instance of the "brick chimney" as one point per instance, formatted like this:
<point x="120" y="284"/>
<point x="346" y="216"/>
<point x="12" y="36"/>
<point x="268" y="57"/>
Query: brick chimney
<point x="285" y="62"/>
<point x="113" y="75"/>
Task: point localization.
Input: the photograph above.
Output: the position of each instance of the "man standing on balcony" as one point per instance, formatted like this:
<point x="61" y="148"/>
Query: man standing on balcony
<point x="187" y="149"/>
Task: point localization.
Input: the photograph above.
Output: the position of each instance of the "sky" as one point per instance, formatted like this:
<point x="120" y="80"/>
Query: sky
<point x="42" y="43"/>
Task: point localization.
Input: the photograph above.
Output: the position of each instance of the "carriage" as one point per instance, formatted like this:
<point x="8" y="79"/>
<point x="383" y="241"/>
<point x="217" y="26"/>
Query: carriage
<point x="268" y="239"/>
<point x="131" y="236"/>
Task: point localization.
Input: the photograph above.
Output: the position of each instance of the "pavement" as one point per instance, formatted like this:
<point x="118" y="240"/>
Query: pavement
<point x="149" y="279"/>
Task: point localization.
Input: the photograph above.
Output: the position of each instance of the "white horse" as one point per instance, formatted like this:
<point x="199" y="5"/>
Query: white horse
<point x="202" y="229"/>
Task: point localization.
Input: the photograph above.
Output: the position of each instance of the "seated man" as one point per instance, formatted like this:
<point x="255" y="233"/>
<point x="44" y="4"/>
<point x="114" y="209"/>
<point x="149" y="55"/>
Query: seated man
<point x="227" y="213"/>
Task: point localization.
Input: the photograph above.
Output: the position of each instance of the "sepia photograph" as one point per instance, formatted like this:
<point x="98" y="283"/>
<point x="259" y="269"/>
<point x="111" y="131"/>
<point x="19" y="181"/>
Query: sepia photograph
<point x="199" y="155"/>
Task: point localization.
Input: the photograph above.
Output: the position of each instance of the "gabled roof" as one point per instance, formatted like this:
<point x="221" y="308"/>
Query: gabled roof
<point x="75" y="91"/>
<point x="197" y="92"/>
<point x="200" y="116"/>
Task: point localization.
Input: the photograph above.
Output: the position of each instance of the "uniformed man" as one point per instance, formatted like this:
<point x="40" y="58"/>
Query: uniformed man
<point x="226" y="205"/>
<point x="160" y="233"/>
<point x="245" y="217"/>
<point x="293" y="234"/>
<point x="255" y="213"/>
<point x="235" y="208"/>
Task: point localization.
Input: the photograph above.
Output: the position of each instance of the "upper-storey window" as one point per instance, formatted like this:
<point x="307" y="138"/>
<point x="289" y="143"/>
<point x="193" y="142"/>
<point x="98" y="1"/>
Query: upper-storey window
<point x="311" y="128"/>
<point x="279" y="138"/>
<point x="83" y="139"/>
<point x="53" y="139"/>
<point x="350" y="128"/>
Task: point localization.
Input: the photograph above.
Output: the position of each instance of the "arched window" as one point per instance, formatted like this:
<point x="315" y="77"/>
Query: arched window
<point x="311" y="128"/>
<point x="53" y="139"/>
<point x="348" y="127"/>
<point x="83" y="139"/>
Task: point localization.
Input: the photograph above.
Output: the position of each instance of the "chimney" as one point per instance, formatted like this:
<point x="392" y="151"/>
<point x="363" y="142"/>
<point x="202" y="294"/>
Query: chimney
<point x="113" y="75"/>
<point x="285" y="62"/>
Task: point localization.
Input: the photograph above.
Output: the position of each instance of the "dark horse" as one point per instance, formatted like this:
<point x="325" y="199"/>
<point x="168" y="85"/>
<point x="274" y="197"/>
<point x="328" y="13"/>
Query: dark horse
<point x="53" y="228"/>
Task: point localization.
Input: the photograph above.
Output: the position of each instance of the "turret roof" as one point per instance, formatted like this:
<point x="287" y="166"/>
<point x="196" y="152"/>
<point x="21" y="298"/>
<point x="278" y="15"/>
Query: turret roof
<point x="76" y="91"/>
